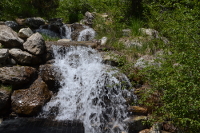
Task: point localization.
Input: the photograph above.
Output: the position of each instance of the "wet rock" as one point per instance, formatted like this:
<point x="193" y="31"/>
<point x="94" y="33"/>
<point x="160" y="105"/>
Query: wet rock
<point x="25" y="33"/>
<point x="4" y="55"/>
<point x="35" y="22"/>
<point x="9" y="38"/>
<point x="136" y="123"/>
<point x="16" y="75"/>
<point x="136" y="110"/>
<point x="13" y="25"/>
<point x="30" y="101"/>
<point x="35" y="44"/>
<point x="48" y="73"/>
<point x="55" y="24"/>
<point x="5" y="93"/>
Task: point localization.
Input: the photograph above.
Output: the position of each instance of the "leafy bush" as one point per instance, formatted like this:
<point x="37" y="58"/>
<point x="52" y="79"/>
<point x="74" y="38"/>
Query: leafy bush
<point x="177" y="79"/>
<point x="10" y="9"/>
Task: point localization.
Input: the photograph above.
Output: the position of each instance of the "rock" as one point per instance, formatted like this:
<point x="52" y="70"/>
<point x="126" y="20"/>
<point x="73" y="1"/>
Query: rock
<point x="144" y="61"/>
<point x="25" y="33"/>
<point x="20" y="21"/>
<point x="89" y="17"/>
<point x="13" y="25"/>
<point x="2" y="23"/>
<point x="110" y="58"/>
<point x="135" y="123"/>
<point x="17" y="75"/>
<point x="9" y="38"/>
<point x="103" y="40"/>
<point x="136" y="110"/>
<point x="35" y="22"/>
<point x="55" y="24"/>
<point x="64" y="40"/>
<point x="5" y="93"/>
<point x="30" y="101"/>
<point x="22" y="57"/>
<point x="145" y="131"/>
<point x="4" y="55"/>
<point x="149" y="32"/>
<point x="126" y="32"/>
<point x="48" y="73"/>
<point x="35" y="44"/>
<point x="156" y="128"/>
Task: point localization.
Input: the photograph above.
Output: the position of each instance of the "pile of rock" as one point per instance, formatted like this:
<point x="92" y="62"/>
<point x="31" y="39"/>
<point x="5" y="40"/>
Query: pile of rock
<point x="21" y="87"/>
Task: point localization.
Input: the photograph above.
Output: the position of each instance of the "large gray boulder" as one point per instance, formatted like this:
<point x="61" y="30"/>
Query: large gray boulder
<point x="35" y="22"/>
<point x="5" y="93"/>
<point x="9" y="38"/>
<point x="25" y="58"/>
<point x="30" y="101"/>
<point x="17" y="75"/>
<point x="22" y="57"/>
<point x="25" y="33"/>
<point x="35" y="44"/>
<point x="4" y="55"/>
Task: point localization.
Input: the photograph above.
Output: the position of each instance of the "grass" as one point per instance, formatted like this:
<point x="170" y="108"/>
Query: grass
<point x="6" y="87"/>
<point x="49" y="38"/>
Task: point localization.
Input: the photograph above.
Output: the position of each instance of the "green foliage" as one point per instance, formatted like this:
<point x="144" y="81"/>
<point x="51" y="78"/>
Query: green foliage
<point x="48" y="38"/>
<point x="6" y="87"/>
<point x="178" y="77"/>
<point x="10" y="9"/>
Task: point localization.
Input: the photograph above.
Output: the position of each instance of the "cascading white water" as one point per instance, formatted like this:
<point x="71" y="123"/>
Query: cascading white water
<point x="65" y="31"/>
<point x="90" y="91"/>
<point x="87" y="34"/>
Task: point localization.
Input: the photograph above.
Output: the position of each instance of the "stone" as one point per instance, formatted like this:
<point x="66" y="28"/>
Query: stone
<point x="135" y="123"/>
<point x="136" y="110"/>
<point x="17" y="75"/>
<point x="4" y="55"/>
<point x="126" y="32"/>
<point x="110" y="58"/>
<point x="30" y="101"/>
<point x="50" y="75"/>
<point x="25" y="33"/>
<point x="5" y="93"/>
<point x="103" y="40"/>
<point x="20" y="21"/>
<point x="145" y="131"/>
<point x="149" y="32"/>
<point x="22" y="57"/>
<point x="9" y="38"/>
<point x="13" y="25"/>
<point x="144" y="61"/>
<point x="35" y="44"/>
<point x="55" y="24"/>
<point x="35" y="22"/>
<point x="64" y="40"/>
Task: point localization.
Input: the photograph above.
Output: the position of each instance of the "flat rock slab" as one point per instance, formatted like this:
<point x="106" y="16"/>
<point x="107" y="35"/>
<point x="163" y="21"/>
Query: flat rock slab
<point x="36" y="125"/>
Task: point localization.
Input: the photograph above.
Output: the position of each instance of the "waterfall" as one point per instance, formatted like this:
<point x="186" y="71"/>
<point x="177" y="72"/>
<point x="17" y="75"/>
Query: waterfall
<point x="65" y="31"/>
<point x="90" y="92"/>
<point x="87" y="34"/>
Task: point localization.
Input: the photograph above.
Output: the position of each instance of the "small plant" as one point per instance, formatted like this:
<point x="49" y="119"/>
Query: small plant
<point x="49" y="38"/>
<point x="6" y="87"/>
